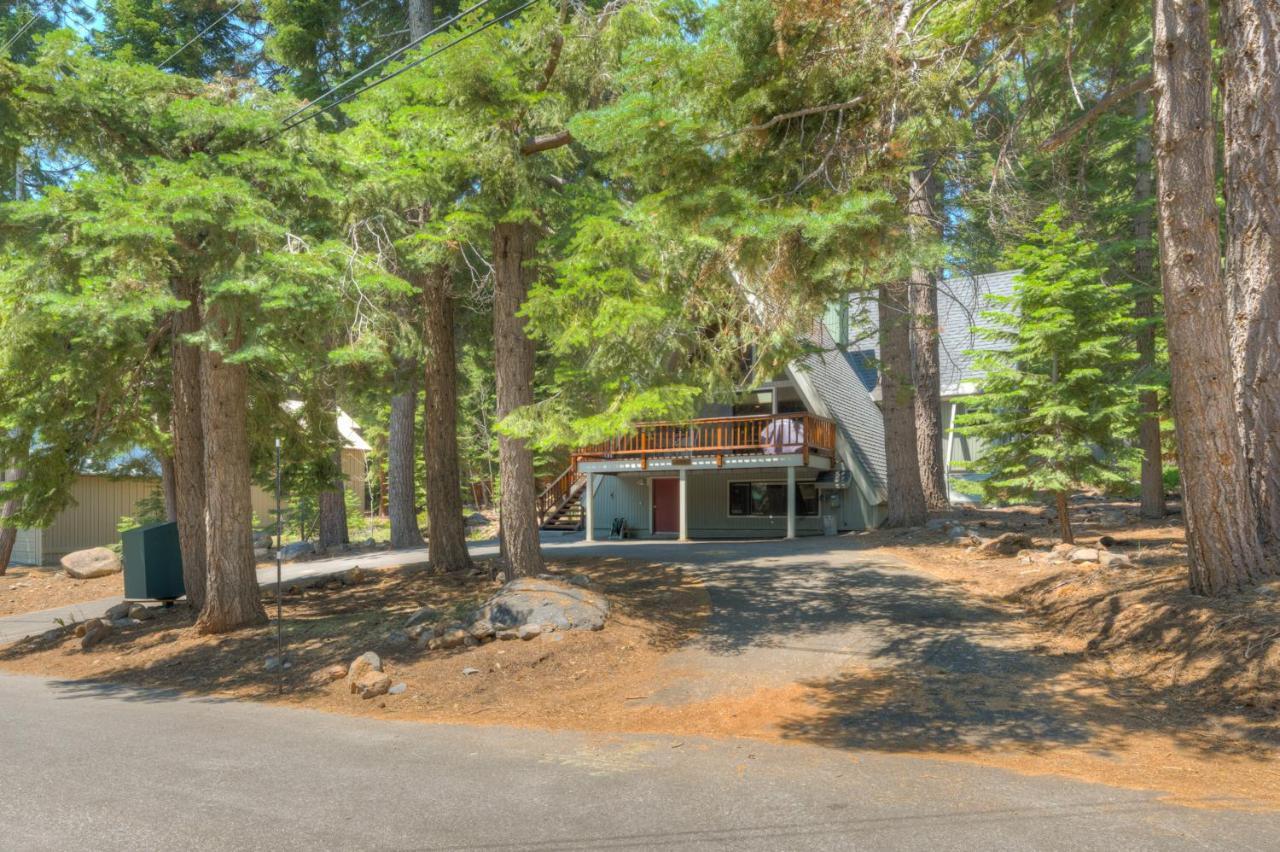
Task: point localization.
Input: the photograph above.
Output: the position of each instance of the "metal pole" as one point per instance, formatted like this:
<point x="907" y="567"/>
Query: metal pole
<point x="279" y="580"/>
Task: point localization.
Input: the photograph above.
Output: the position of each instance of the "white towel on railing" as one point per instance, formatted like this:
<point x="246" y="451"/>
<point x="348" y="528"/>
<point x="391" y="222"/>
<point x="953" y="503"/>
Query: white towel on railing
<point x="785" y="435"/>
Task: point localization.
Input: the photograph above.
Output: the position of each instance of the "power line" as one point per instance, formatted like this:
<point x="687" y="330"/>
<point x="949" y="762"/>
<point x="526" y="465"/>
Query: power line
<point x="14" y="38"/>
<point x="421" y="59"/>
<point x="400" y="51"/>
<point x="200" y="34"/>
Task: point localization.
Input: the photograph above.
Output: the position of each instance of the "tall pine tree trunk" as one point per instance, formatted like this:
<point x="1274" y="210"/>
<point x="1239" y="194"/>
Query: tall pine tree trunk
<point x="906" y="495"/>
<point x="232" y="599"/>
<point x="925" y="364"/>
<point x="513" y="245"/>
<point x="446" y="529"/>
<point x="402" y="494"/>
<point x="332" y="522"/>
<point x="333" y="508"/>
<point x="421" y="18"/>
<point x="1251" y="69"/>
<point x="1152" y="488"/>
<point x="8" y="530"/>
<point x="168" y="488"/>
<point x="188" y="442"/>
<point x="1223" y="538"/>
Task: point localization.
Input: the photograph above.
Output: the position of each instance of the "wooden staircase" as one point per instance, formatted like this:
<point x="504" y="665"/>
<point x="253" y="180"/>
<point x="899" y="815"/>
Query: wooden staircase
<point x="560" y="505"/>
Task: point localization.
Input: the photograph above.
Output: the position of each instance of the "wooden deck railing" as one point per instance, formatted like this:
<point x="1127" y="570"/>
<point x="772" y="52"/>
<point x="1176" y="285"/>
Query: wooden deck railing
<point x="557" y="492"/>
<point x="721" y="436"/>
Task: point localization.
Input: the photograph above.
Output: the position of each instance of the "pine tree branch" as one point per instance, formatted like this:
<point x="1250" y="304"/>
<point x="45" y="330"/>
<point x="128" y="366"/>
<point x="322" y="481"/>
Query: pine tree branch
<point x="802" y="113"/>
<point x="539" y="144"/>
<point x="1128" y="90"/>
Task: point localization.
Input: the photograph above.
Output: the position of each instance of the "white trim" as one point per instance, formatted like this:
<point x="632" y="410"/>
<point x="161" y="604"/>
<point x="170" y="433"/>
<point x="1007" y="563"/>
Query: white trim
<point x="684" y="504"/>
<point x="591" y="507"/>
<point x="791" y="502"/>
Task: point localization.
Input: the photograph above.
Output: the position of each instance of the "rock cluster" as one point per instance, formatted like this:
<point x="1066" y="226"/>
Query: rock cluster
<point x="1062" y="554"/>
<point x="524" y="609"/>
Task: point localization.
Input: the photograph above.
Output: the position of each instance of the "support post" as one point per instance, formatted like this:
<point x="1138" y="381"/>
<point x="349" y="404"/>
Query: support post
<point x="791" y="502"/>
<point x="588" y="505"/>
<point x="684" y="504"/>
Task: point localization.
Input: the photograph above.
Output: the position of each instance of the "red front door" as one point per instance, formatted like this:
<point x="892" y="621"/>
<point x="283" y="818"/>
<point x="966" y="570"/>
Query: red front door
<point x="666" y="506"/>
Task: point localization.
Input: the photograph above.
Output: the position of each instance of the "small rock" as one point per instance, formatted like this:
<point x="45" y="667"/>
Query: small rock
<point x="117" y="612"/>
<point x="397" y="638"/>
<point x="328" y="674"/>
<point x="582" y="581"/>
<point x="397" y="689"/>
<point x="354" y="577"/>
<point x="470" y="671"/>
<point x="80" y="628"/>
<point x="481" y="628"/>
<point x="94" y="632"/>
<point x="1084" y="554"/>
<point x="453" y="637"/>
<point x="141" y="613"/>
<point x="94" y="562"/>
<point x="1005" y="544"/>
<point x="958" y="532"/>
<point x="529" y="631"/>
<point x="475" y="519"/>
<point x="366" y="662"/>
<point x="1114" y="560"/>
<point x="424" y="614"/>
<point x="1063" y="549"/>
<point x="371" y="684"/>
<point x="507" y="634"/>
<point x="936" y="524"/>
<point x="368" y="542"/>
<point x="272" y="664"/>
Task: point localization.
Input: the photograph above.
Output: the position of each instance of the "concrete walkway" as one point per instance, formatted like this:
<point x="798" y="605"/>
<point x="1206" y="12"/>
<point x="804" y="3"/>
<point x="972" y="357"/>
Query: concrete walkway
<point x="22" y="625"/>
<point x="96" y="766"/>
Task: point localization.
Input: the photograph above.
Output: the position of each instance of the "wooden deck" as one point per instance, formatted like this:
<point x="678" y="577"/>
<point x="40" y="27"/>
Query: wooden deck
<point x="802" y="434"/>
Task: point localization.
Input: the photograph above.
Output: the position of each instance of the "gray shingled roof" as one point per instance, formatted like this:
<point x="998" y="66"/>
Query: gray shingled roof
<point x="842" y="391"/>
<point x="961" y="301"/>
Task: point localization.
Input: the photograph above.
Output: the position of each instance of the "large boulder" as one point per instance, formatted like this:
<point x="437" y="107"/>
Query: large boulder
<point x="541" y="601"/>
<point x="94" y="562"/>
<point x="296" y="549"/>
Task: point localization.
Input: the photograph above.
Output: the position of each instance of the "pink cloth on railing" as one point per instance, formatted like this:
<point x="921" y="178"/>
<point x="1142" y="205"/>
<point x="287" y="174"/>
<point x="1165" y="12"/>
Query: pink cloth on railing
<point x="783" y="436"/>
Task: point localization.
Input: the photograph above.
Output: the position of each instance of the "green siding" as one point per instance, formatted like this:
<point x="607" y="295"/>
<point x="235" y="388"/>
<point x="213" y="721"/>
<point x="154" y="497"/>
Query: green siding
<point x="628" y="497"/>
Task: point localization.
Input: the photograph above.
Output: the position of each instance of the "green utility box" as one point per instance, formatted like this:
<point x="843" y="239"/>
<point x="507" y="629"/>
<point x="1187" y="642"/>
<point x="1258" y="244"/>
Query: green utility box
<point x="152" y="563"/>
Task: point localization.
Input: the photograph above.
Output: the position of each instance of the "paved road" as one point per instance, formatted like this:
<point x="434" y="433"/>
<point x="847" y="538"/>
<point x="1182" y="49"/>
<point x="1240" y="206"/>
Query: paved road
<point x="119" y="769"/>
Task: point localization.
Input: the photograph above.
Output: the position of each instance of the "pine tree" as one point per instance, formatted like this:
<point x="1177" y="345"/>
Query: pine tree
<point x="1055" y="405"/>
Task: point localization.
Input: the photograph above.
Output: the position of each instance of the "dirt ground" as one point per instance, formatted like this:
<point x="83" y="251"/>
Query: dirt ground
<point x="1138" y="683"/>
<point x="587" y="680"/>
<point x="24" y="589"/>
<point x="1181" y="693"/>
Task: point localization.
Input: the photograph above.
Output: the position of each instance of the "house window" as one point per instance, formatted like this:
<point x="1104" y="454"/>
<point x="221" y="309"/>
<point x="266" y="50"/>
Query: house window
<point x="770" y="498"/>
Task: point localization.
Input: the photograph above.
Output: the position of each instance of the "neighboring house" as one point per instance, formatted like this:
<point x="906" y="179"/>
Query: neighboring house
<point x="99" y="500"/>
<point x="801" y="455"/>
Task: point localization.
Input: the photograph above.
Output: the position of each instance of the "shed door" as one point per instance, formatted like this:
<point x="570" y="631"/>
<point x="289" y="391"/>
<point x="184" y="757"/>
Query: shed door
<point x="666" y="505"/>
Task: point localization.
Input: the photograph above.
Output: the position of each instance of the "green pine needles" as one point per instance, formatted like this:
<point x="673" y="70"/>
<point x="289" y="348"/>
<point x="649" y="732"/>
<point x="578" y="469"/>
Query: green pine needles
<point x="1057" y="404"/>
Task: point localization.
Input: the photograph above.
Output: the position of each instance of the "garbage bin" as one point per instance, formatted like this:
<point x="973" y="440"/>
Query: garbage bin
<point x="152" y="563"/>
<point x="828" y="524"/>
